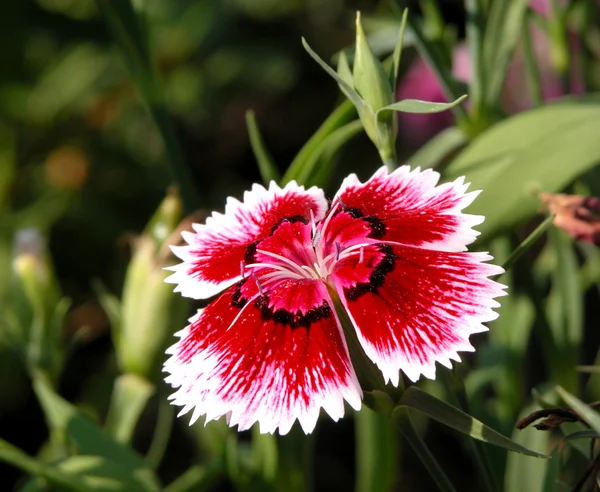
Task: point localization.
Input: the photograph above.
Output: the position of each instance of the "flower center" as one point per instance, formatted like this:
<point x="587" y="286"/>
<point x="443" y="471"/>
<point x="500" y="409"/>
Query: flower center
<point x="306" y="250"/>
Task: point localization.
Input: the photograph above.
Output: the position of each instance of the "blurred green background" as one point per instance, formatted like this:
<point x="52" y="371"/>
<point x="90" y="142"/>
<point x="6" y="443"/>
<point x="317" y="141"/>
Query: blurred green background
<point x="84" y="165"/>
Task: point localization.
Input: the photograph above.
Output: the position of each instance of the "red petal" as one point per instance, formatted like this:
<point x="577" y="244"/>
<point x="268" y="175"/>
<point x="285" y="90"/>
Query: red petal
<point x="211" y="260"/>
<point x="420" y="308"/>
<point x="408" y="208"/>
<point x="240" y="358"/>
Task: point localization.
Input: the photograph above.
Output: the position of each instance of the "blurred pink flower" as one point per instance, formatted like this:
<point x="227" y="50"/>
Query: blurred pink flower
<point x="421" y="83"/>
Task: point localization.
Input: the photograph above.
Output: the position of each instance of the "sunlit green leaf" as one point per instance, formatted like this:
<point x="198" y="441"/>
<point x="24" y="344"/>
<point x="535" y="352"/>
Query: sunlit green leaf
<point x="587" y="413"/>
<point x="348" y="91"/>
<point x="438" y="148"/>
<point x="539" y="150"/>
<point x="344" y="113"/>
<point x="420" y="107"/>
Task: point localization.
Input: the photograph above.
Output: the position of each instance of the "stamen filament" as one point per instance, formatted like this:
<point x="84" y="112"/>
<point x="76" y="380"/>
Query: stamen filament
<point x="283" y="259"/>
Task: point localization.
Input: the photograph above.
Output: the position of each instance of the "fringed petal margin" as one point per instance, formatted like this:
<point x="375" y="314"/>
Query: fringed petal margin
<point x="420" y="307"/>
<point x="241" y="358"/>
<point x="214" y="252"/>
<point x="411" y="209"/>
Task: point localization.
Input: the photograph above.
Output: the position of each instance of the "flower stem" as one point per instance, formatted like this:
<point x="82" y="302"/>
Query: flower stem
<point x="456" y="387"/>
<point x="475" y="43"/>
<point x="528" y="242"/>
<point x="162" y="433"/>
<point x="376" y="452"/>
<point x="295" y="464"/>
<point x="407" y="430"/>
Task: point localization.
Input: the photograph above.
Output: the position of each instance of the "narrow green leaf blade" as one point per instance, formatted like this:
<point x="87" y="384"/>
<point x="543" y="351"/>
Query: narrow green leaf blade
<point x="341" y="115"/>
<point x="588" y="414"/>
<point x="420" y="107"/>
<point x="502" y="33"/>
<point x="398" y="50"/>
<point x="456" y="419"/>
<point x="332" y="143"/>
<point x="376" y="451"/>
<point x="266" y="165"/>
<point x="349" y="91"/>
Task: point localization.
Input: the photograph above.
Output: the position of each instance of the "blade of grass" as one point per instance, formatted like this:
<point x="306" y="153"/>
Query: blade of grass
<point x="344" y="113"/>
<point x="376" y="452"/>
<point x="431" y="54"/>
<point x="532" y="72"/>
<point x="475" y="44"/>
<point x="127" y="29"/>
<point x="407" y="430"/>
<point x="266" y="164"/>
<point x="528" y="242"/>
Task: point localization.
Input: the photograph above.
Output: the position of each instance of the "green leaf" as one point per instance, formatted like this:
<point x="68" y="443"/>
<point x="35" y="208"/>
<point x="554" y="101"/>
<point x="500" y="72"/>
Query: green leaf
<point x="129" y="398"/>
<point x="343" y="68"/>
<point x="344" y="113"/>
<point x="587" y="414"/>
<point x="101" y="474"/>
<point x="438" y="148"/>
<point x="348" y="91"/>
<point x="503" y="29"/>
<point x="420" y="107"/>
<point x="14" y="456"/>
<point x="456" y="419"/>
<point x="265" y="455"/>
<point x="376" y="452"/>
<point x="329" y="147"/>
<point x="196" y="478"/>
<point x="583" y="434"/>
<point x="63" y="418"/>
<point x="266" y="165"/>
<point x="564" y="309"/>
<point x="539" y="150"/>
<point x="434" y="57"/>
<point x="398" y="50"/>
<point x="524" y="472"/>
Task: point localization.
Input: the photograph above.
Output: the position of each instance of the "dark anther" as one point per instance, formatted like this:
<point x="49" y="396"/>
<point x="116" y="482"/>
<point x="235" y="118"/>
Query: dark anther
<point x="250" y="254"/>
<point x="292" y="219"/>
<point x="237" y="300"/>
<point x="377" y="277"/>
<point x="293" y="320"/>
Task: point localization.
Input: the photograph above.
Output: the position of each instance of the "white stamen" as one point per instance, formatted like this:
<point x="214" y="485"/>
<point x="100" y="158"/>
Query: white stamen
<point x="283" y="259"/>
<point x="255" y="278"/>
<point x="316" y="238"/>
<point x="242" y="269"/>
<point x="362" y="255"/>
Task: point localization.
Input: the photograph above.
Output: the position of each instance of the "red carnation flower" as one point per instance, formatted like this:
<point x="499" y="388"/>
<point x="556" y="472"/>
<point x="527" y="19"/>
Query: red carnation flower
<point x="271" y="349"/>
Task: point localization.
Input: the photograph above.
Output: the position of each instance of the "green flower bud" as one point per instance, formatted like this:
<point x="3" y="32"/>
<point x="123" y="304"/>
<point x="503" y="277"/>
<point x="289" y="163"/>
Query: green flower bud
<point x="36" y="308"/>
<point x="372" y="91"/>
<point x="149" y="308"/>
<point x="370" y="80"/>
